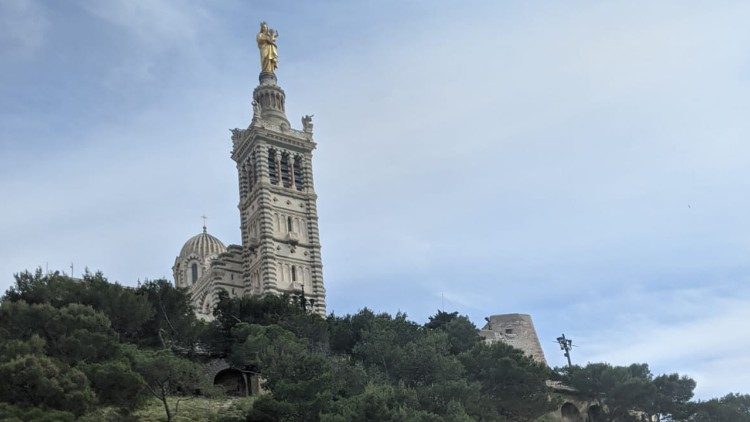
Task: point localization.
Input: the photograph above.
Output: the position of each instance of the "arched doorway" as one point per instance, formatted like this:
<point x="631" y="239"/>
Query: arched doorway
<point x="233" y="382"/>
<point x="570" y="412"/>
<point x="595" y="413"/>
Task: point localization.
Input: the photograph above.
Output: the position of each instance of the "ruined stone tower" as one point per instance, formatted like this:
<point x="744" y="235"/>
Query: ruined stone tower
<point x="516" y="330"/>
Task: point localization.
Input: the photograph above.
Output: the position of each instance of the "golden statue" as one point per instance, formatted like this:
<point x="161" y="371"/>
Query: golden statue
<point x="269" y="57"/>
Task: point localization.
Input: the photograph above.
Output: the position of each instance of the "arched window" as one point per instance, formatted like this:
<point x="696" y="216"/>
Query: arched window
<point x="298" y="180"/>
<point x="273" y="170"/>
<point x="286" y="174"/>
<point x="194" y="273"/>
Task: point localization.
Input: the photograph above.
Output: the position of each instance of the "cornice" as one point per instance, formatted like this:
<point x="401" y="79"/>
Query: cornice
<point x="278" y="135"/>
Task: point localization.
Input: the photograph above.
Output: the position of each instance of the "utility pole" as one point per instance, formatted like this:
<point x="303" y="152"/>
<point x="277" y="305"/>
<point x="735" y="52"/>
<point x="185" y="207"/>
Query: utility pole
<point x="566" y="344"/>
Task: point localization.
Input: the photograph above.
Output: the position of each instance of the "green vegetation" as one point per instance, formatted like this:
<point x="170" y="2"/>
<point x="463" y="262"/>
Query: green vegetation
<point x="91" y="350"/>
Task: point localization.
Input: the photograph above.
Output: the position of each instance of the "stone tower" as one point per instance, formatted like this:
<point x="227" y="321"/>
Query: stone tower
<point x="279" y="220"/>
<point x="280" y="251"/>
<point x="516" y="330"/>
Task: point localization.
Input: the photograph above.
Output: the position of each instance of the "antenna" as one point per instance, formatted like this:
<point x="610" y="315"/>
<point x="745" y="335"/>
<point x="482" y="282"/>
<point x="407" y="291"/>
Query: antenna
<point x="442" y="301"/>
<point x="71" y="270"/>
<point x="565" y="344"/>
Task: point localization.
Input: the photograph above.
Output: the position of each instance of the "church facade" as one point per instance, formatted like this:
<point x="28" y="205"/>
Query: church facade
<point x="280" y="251"/>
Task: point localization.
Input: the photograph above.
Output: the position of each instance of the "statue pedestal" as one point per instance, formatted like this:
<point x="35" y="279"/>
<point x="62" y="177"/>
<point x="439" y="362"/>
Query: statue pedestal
<point x="267" y="78"/>
<point x="271" y="98"/>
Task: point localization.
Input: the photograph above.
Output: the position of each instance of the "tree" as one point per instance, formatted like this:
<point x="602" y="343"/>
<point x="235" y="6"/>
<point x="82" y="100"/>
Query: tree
<point x="439" y="320"/>
<point x="345" y="332"/>
<point x="462" y="333"/>
<point x="265" y="310"/>
<point x="380" y="344"/>
<point x="116" y="384"/>
<point x="513" y="383"/>
<point x="12" y="348"/>
<point x="166" y="375"/>
<point x="629" y="391"/>
<point x="421" y="362"/>
<point x="673" y="394"/>
<point x="73" y="333"/>
<point x="302" y="382"/>
<point x="37" y="288"/>
<point x="173" y="324"/>
<point x="126" y="310"/>
<point x="732" y="407"/>
<point x="39" y="381"/>
<point x="623" y="390"/>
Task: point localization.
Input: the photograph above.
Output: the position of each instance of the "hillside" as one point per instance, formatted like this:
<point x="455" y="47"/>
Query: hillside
<point x="88" y="349"/>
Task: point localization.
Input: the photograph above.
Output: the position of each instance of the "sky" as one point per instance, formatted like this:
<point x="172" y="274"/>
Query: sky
<point x="583" y="162"/>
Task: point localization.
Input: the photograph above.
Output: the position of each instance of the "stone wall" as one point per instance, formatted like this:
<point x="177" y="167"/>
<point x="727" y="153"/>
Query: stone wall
<point x="516" y="330"/>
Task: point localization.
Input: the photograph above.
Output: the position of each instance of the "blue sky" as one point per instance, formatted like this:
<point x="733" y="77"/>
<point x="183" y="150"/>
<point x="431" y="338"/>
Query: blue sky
<point x="584" y="162"/>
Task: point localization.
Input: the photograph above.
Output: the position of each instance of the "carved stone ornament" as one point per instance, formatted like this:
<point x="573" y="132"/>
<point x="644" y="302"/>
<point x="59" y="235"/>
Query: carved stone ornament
<point x="236" y="134"/>
<point x="307" y="124"/>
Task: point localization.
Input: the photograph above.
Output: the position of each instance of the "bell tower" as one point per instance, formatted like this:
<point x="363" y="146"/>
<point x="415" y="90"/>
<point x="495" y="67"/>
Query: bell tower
<point x="279" y="219"/>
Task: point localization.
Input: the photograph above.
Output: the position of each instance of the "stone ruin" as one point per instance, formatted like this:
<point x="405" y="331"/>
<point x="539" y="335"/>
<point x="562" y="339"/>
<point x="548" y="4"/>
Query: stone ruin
<point x="516" y="330"/>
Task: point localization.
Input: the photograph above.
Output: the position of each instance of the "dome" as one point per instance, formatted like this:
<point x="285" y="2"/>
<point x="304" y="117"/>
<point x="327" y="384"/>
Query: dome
<point x="204" y="245"/>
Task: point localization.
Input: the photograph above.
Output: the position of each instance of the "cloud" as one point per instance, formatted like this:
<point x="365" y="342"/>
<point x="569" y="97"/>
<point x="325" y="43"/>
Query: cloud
<point x="552" y="136"/>
<point x="156" y="24"/>
<point x="707" y="339"/>
<point x="152" y="37"/>
<point x="23" y="28"/>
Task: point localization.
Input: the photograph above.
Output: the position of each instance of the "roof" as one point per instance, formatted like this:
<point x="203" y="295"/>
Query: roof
<point x="204" y="245"/>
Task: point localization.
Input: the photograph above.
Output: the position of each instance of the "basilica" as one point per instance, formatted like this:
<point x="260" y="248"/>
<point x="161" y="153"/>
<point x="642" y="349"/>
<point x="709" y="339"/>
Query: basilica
<point x="280" y="251"/>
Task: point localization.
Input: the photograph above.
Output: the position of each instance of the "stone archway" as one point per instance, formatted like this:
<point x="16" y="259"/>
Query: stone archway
<point x="595" y="413"/>
<point x="570" y="412"/>
<point x="233" y="382"/>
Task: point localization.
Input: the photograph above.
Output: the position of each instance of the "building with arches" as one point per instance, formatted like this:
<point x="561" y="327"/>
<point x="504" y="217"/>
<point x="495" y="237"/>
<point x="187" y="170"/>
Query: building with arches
<point x="280" y="251"/>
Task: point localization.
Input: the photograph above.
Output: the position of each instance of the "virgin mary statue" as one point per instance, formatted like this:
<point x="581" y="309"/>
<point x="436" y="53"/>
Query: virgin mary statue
<point x="269" y="57"/>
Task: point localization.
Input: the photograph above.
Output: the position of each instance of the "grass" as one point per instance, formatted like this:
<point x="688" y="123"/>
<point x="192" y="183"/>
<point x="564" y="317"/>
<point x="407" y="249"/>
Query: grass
<point x="199" y="409"/>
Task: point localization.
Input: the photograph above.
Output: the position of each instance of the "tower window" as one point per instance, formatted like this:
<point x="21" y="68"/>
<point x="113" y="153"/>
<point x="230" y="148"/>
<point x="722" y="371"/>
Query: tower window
<point x="289" y="224"/>
<point x="273" y="171"/>
<point x="285" y="172"/>
<point x="252" y="169"/>
<point x="298" y="172"/>
<point x="194" y="273"/>
<point x="294" y="273"/>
